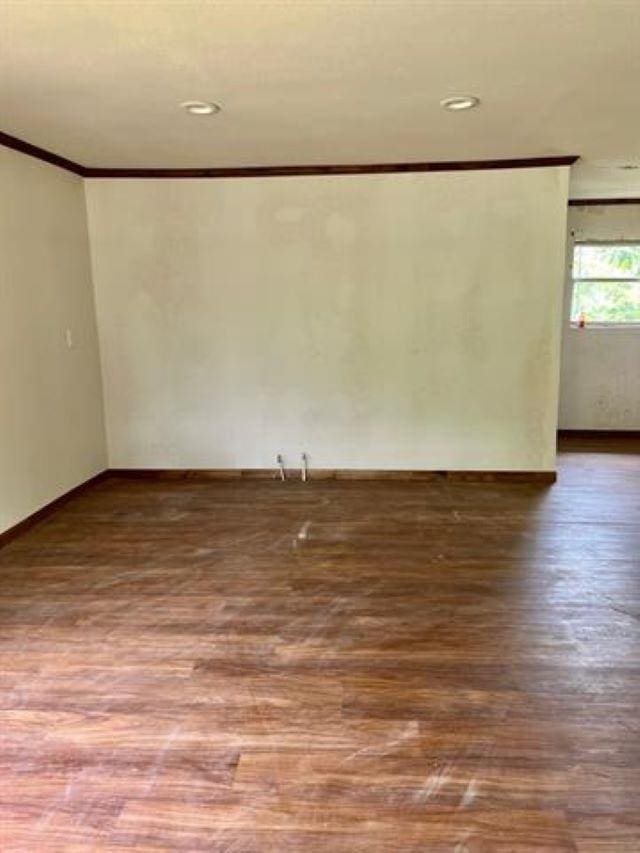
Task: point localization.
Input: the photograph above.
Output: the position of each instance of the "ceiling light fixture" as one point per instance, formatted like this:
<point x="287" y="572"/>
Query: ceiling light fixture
<point x="200" y="108"/>
<point x="460" y="102"/>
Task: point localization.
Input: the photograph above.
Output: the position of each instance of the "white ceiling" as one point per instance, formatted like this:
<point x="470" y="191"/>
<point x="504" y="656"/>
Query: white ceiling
<point x="327" y="81"/>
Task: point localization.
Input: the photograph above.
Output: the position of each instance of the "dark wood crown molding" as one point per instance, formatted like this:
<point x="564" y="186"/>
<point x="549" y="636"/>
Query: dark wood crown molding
<point x="344" y="169"/>
<point x="590" y="202"/>
<point x="279" y="171"/>
<point x="23" y="147"/>
<point x="53" y="159"/>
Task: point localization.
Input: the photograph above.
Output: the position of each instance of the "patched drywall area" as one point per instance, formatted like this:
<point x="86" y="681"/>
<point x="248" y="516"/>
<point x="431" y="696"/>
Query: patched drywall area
<point x="51" y="419"/>
<point x="374" y="321"/>
<point x="600" y="372"/>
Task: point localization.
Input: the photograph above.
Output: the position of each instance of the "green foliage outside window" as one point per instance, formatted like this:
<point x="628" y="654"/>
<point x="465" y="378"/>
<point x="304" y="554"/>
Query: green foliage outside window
<point x="606" y="285"/>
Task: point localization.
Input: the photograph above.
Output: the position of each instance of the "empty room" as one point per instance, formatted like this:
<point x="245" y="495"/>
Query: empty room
<point x="320" y="426"/>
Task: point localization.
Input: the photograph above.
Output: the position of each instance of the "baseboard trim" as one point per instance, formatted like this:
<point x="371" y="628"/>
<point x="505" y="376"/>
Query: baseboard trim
<point x="540" y="477"/>
<point x="41" y="514"/>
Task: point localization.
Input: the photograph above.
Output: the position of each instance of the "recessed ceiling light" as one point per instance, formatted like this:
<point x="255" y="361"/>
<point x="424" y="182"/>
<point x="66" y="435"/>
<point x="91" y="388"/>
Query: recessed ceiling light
<point x="460" y="102"/>
<point x="200" y="108"/>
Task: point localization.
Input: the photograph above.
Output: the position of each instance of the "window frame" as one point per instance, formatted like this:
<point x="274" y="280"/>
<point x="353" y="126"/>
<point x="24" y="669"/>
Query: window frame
<point x="599" y="324"/>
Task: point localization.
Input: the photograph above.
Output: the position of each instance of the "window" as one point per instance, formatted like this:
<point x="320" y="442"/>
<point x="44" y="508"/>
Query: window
<point x="606" y="284"/>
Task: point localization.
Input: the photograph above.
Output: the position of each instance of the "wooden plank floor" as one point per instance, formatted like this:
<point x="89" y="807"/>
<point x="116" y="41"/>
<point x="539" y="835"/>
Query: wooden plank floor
<point x="336" y="666"/>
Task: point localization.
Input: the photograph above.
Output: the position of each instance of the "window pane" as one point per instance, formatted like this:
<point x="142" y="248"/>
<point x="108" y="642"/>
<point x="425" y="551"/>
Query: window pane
<point x="622" y="261"/>
<point x="606" y="301"/>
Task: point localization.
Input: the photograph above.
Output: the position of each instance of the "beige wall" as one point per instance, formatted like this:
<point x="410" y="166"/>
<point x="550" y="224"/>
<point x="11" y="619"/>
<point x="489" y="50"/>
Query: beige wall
<point x="51" y="428"/>
<point x="396" y="321"/>
<point x="600" y="376"/>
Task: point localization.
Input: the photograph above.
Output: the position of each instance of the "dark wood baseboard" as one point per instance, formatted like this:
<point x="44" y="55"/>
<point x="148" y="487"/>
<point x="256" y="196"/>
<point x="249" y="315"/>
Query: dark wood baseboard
<point x="42" y="513"/>
<point x="540" y="477"/>
<point x="536" y="477"/>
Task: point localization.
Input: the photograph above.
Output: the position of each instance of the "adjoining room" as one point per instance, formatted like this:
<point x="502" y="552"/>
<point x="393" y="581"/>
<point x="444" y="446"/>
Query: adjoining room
<point x="320" y="426"/>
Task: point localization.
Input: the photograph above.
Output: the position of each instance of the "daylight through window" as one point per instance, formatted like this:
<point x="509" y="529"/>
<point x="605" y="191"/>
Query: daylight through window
<point x="606" y="284"/>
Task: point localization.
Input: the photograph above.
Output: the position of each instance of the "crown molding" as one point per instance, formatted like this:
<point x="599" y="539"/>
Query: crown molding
<point x="53" y="159"/>
<point x="23" y="147"/>
<point x="332" y="169"/>
<point x="590" y="202"/>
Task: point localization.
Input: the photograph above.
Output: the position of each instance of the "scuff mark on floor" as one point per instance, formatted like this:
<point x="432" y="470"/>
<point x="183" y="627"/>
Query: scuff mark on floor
<point x="158" y="765"/>
<point x="303" y="534"/>
<point x="470" y="794"/>
<point x="433" y="784"/>
<point x="412" y="731"/>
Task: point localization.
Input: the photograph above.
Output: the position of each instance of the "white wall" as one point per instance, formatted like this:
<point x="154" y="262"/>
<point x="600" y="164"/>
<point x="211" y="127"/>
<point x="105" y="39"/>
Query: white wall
<point x="390" y="321"/>
<point x="51" y="422"/>
<point x="600" y="376"/>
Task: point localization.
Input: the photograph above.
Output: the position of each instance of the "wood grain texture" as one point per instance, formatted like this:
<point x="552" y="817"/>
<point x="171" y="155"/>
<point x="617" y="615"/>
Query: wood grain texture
<point x="39" y="515"/>
<point x="330" y="666"/>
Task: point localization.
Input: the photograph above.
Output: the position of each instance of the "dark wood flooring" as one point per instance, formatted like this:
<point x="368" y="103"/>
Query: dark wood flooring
<point x="330" y="666"/>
